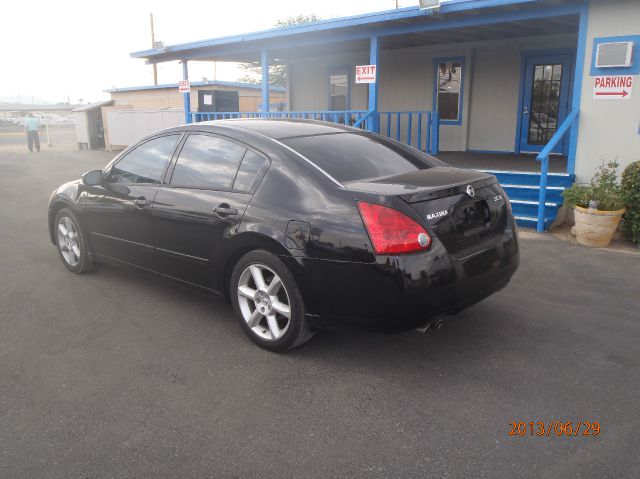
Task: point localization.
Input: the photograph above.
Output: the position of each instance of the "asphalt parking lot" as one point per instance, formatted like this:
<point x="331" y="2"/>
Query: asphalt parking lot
<point x="113" y="374"/>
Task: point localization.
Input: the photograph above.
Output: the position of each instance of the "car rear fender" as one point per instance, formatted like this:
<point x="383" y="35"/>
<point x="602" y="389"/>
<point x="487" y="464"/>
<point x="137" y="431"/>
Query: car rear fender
<point x="242" y="244"/>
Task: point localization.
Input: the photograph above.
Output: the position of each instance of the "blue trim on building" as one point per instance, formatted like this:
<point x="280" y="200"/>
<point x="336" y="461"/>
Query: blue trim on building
<point x="436" y="62"/>
<point x="451" y="6"/>
<point x="239" y="44"/>
<point x="374" y="59"/>
<point x="487" y="19"/>
<point x="264" y="61"/>
<point x="551" y="57"/>
<point x="523" y="69"/>
<point x="254" y="86"/>
<point x="634" y="69"/>
<point x="186" y="96"/>
<point x="577" y="86"/>
<point x="521" y="89"/>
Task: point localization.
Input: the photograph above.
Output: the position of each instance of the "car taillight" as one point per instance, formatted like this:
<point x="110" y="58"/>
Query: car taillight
<point x="391" y="232"/>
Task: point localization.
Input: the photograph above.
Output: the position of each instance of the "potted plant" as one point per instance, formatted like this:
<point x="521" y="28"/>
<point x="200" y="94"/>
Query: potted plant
<point x="598" y="207"/>
<point x="631" y="194"/>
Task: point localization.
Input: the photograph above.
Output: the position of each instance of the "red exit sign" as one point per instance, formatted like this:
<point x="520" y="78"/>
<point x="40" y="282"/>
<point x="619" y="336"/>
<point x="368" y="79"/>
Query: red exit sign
<point x="366" y="73"/>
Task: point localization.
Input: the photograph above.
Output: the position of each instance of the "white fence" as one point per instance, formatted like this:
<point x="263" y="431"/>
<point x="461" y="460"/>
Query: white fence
<point x="60" y="133"/>
<point x="125" y="127"/>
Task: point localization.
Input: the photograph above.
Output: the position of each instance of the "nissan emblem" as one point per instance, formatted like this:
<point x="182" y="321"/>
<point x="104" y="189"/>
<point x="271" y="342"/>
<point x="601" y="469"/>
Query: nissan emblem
<point x="470" y="191"/>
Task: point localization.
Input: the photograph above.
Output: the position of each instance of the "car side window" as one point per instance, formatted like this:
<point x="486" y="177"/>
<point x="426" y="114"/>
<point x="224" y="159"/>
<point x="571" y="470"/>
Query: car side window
<point x="250" y="167"/>
<point x="145" y="163"/>
<point x="207" y="162"/>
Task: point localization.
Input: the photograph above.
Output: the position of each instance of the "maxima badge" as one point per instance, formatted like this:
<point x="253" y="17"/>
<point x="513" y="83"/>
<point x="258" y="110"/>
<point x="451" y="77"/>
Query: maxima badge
<point x="470" y="191"/>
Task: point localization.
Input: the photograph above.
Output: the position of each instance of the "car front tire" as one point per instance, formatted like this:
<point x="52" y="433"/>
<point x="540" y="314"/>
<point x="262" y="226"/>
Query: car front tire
<point x="268" y="303"/>
<point x="71" y="242"/>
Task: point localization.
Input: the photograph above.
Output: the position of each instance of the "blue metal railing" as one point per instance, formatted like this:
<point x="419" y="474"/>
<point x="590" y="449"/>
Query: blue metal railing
<point x="348" y="117"/>
<point x="543" y="158"/>
<point x="419" y="129"/>
<point x="362" y="121"/>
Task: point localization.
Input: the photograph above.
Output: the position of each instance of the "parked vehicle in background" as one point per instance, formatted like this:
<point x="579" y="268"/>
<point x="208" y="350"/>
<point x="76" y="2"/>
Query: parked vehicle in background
<point x="302" y="225"/>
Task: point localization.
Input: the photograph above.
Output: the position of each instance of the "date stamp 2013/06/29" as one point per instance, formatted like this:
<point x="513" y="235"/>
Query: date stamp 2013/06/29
<point x="554" y="428"/>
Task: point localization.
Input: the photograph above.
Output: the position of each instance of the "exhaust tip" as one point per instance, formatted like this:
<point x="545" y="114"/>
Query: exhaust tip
<point x="424" y="329"/>
<point x="429" y="326"/>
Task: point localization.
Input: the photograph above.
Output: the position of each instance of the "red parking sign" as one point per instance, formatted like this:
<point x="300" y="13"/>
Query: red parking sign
<point x="613" y="87"/>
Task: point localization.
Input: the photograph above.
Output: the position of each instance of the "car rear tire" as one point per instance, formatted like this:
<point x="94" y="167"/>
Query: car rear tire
<point x="268" y="303"/>
<point x="71" y="242"/>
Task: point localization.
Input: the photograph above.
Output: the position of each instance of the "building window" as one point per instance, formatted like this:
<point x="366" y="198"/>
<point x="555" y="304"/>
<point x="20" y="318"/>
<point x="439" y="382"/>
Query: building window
<point x="449" y="90"/>
<point x="339" y="90"/>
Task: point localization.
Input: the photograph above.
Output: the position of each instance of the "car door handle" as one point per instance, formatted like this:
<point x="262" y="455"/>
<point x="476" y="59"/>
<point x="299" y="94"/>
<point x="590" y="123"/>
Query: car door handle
<point x="224" y="210"/>
<point x="140" y="203"/>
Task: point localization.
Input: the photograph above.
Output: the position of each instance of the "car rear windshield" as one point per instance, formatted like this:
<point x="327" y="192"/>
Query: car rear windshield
<point x="354" y="156"/>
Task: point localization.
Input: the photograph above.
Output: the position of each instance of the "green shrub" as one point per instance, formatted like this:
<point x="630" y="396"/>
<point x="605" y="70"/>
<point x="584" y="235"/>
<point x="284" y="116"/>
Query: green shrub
<point x="603" y="189"/>
<point x="631" y="196"/>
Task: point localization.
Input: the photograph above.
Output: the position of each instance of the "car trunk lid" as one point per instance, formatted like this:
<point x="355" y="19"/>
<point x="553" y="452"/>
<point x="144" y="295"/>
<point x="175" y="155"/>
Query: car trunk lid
<point x="465" y="209"/>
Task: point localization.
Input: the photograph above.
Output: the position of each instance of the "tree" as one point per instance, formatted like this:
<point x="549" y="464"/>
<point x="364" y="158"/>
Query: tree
<point x="277" y="73"/>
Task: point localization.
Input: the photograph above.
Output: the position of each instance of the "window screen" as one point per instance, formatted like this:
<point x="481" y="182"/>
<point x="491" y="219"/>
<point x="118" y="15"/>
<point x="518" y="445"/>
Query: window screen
<point x="338" y="90"/>
<point x="145" y="163"/>
<point x="449" y="84"/>
<point x="207" y="162"/>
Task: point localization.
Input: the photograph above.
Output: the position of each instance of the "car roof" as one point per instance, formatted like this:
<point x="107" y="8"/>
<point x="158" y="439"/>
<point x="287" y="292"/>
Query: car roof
<point x="278" y="129"/>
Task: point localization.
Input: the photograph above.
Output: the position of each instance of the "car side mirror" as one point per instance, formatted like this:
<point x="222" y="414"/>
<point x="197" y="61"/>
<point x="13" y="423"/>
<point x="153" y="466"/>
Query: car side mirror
<point x="93" y="178"/>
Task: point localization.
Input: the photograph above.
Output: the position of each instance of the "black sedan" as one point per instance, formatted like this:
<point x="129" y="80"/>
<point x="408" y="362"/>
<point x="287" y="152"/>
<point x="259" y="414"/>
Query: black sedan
<point x="302" y="225"/>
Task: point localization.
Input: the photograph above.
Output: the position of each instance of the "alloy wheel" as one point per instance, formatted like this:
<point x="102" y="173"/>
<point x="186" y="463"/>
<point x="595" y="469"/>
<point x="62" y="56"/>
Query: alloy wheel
<point x="68" y="241"/>
<point x="264" y="302"/>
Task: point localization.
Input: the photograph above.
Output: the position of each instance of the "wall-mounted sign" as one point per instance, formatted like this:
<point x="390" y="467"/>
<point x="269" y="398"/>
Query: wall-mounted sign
<point x="613" y="87"/>
<point x="184" y="86"/>
<point x="366" y="73"/>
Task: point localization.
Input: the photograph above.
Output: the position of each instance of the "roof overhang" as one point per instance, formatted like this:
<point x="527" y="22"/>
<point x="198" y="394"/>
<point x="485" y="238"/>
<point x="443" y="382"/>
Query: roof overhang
<point x="92" y="106"/>
<point x="458" y="17"/>
<point x="208" y="83"/>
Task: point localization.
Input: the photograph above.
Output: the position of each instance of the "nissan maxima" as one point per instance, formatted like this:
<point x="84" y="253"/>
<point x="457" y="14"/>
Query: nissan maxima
<point x="301" y="225"/>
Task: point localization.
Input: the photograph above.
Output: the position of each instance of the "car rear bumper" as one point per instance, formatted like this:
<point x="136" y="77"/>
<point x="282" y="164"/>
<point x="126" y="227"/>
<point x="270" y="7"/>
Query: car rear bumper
<point x="402" y="292"/>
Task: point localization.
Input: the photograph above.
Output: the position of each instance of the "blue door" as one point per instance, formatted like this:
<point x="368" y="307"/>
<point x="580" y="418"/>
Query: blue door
<point x="545" y="102"/>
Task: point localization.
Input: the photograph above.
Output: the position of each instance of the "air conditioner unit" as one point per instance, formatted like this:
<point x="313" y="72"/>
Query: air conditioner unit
<point x="616" y="54"/>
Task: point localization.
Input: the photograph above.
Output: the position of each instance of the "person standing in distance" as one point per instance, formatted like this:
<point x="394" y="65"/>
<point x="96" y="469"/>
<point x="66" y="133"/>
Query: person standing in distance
<point x="32" y="124"/>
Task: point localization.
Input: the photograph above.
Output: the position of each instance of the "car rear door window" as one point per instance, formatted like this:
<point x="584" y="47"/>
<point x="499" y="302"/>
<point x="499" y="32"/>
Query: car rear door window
<point x="248" y="172"/>
<point x="355" y="156"/>
<point x="145" y="163"/>
<point x="207" y="162"/>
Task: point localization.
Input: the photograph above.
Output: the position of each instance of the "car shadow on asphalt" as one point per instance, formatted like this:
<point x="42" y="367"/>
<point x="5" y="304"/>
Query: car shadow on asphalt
<point x="464" y="337"/>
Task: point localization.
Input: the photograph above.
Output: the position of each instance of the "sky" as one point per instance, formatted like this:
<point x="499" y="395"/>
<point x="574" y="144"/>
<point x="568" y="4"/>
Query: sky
<point x="54" y="51"/>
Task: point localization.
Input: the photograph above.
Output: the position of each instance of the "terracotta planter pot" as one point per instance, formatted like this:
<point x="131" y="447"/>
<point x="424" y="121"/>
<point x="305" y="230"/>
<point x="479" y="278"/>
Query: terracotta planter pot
<point x="596" y="228"/>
